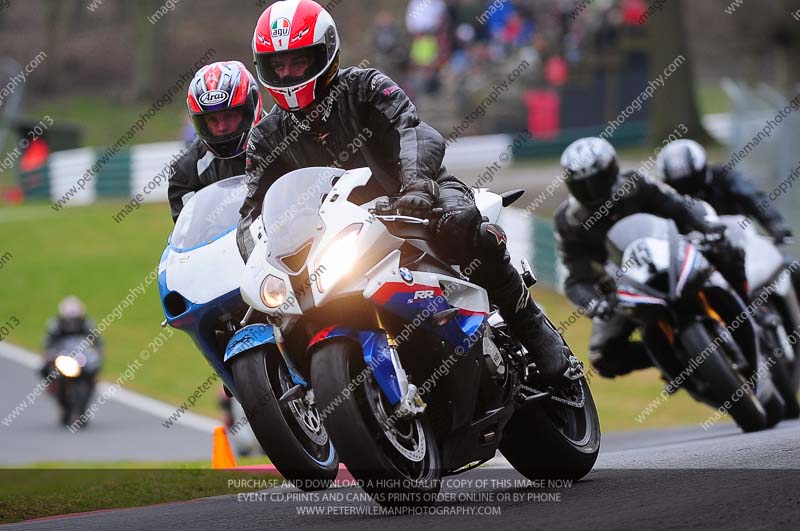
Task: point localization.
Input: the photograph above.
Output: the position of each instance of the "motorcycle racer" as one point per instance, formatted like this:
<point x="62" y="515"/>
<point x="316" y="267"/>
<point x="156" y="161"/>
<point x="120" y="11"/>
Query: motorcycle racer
<point x="323" y="109"/>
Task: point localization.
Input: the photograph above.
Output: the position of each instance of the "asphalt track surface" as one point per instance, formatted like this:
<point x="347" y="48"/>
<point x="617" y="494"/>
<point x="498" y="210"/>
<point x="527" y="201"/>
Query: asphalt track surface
<point x="684" y="478"/>
<point x="119" y="432"/>
<point x="670" y="479"/>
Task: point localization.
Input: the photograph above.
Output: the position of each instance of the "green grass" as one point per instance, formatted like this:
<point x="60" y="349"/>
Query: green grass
<point x="104" y="120"/>
<point x="139" y="465"/>
<point x="82" y="251"/>
<point x="712" y="99"/>
<point x="27" y="494"/>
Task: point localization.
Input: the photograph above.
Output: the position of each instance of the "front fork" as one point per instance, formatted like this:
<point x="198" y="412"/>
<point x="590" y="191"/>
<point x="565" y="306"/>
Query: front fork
<point x="411" y="403"/>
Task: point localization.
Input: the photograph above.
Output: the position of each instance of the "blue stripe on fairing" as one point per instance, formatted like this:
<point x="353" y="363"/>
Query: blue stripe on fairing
<point x="373" y="344"/>
<point x="457" y="332"/>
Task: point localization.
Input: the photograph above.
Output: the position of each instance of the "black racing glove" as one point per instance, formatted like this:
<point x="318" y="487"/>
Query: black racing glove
<point x="715" y="233"/>
<point x="782" y="235"/>
<point x="602" y="307"/>
<point x="418" y="199"/>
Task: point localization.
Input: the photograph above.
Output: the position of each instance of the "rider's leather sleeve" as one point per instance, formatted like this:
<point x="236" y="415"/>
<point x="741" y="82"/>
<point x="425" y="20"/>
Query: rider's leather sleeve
<point x="751" y="201"/>
<point x="417" y="149"/>
<point x="180" y="184"/>
<point x="196" y="169"/>
<point x="658" y="198"/>
<point x="262" y="168"/>
<point x="572" y="248"/>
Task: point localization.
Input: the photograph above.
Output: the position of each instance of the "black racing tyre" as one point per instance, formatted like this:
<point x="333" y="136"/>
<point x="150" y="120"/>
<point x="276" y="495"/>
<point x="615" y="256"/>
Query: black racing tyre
<point x="781" y="371"/>
<point x="552" y="440"/>
<point x="83" y="390"/>
<point x="781" y="378"/>
<point x="397" y="463"/>
<point x="291" y="434"/>
<point x="724" y="384"/>
<point x="775" y="408"/>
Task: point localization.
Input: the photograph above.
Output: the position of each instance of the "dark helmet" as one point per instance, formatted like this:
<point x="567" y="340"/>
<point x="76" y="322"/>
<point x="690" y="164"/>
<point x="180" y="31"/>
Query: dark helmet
<point x="683" y="165"/>
<point x="591" y="168"/>
<point x="220" y="88"/>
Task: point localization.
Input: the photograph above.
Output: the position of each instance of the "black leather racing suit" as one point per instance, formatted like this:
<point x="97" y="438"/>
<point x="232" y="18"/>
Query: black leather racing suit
<point x="58" y="330"/>
<point x="196" y="169"/>
<point x="730" y="193"/>
<point x="400" y="149"/>
<point x="581" y="236"/>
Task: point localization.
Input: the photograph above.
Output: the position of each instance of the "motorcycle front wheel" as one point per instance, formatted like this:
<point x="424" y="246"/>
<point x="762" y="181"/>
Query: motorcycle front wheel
<point x="396" y="460"/>
<point x="291" y="433"/>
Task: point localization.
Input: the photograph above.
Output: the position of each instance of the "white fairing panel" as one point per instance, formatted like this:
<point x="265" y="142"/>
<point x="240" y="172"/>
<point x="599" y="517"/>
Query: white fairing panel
<point x="638" y="256"/>
<point x="189" y="273"/>
<point x="489" y="203"/>
<point x="763" y="260"/>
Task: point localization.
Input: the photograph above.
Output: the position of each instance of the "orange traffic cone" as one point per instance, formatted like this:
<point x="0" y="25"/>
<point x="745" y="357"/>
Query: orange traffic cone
<point x="222" y="455"/>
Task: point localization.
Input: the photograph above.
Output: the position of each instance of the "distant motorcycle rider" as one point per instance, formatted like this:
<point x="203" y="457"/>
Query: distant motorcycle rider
<point x="599" y="197"/>
<point x="224" y="102"/>
<point x="71" y="320"/>
<point x="683" y="165"/>
<point x="322" y="110"/>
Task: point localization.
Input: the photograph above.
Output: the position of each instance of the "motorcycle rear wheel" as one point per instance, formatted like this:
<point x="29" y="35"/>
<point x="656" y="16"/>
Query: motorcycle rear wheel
<point x="782" y="370"/>
<point x="553" y="440"/>
<point x="723" y="382"/>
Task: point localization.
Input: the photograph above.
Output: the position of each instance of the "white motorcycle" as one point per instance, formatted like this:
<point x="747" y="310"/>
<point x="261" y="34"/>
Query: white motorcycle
<point x="779" y="316"/>
<point x="199" y="276"/>
<point x="412" y="371"/>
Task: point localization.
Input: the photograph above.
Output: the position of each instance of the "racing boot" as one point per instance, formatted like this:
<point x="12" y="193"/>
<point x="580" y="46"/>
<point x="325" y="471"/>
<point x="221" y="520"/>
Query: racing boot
<point x="550" y="360"/>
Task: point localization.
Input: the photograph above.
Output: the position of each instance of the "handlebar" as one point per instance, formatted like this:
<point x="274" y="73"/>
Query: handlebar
<point x="386" y="210"/>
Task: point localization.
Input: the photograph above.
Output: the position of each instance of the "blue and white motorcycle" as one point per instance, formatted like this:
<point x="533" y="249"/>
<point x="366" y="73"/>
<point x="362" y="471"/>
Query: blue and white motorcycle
<point x="199" y="277"/>
<point x="412" y="371"/>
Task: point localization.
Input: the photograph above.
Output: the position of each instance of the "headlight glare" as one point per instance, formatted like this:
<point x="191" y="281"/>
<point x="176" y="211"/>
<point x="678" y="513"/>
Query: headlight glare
<point x="68" y="366"/>
<point x="273" y="291"/>
<point x="338" y="258"/>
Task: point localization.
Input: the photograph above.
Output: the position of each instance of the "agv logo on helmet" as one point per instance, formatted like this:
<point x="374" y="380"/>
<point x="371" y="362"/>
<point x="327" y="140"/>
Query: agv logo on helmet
<point x="281" y="28"/>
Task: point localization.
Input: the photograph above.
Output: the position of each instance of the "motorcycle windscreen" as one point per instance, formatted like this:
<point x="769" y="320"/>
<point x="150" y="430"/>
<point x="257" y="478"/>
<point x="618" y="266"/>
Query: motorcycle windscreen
<point x="209" y="214"/>
<point x="630" y="229"/>
<point x="291" y="214"/>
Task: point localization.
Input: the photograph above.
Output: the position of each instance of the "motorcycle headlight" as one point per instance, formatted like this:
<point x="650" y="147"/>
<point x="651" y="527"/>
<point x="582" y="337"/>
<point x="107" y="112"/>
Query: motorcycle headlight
<point x="338" y="258"/>
<point x="273" y="291"/>
<point x="68" y="366"/>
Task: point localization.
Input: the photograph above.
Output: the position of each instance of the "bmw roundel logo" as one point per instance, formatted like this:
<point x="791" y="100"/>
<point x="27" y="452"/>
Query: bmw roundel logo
<point x="406" y="275"/>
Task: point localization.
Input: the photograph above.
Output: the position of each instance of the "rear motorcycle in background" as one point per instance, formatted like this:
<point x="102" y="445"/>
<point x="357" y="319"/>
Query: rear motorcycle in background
<point x="199" y="277"/>
<point x="684" y="308"/>
<point x="76" y="369"/>
<point x="770" y="280"/>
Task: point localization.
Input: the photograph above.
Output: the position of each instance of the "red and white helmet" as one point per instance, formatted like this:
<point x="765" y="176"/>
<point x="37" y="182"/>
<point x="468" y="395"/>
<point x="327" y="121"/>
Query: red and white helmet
<point x="288" y="27"/>
<point x="220" y="87"/>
